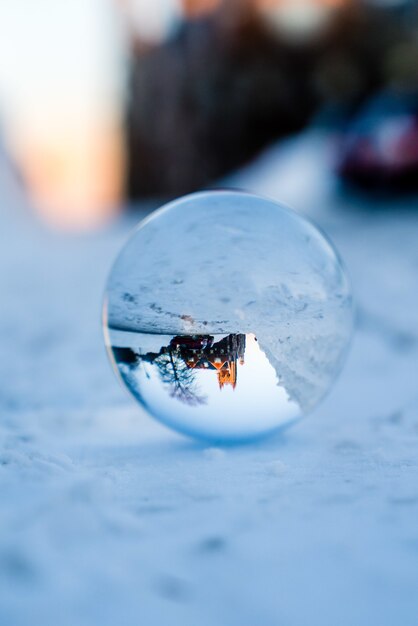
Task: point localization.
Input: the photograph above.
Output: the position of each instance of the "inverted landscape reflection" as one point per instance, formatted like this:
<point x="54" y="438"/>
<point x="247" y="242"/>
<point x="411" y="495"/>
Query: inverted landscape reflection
<point x="218" y="386"/>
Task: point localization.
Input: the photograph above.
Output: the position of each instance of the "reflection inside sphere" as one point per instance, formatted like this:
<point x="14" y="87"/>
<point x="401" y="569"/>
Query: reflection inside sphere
<point x="227" y="315"/>
<point x="205" y="384"/>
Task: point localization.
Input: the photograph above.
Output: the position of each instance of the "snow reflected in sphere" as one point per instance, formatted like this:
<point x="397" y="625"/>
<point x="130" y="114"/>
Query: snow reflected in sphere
<point x="227" y="316"/>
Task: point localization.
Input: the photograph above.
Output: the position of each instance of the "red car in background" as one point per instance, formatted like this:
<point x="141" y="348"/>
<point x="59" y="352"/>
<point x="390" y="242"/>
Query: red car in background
<point x="379" y="149"/>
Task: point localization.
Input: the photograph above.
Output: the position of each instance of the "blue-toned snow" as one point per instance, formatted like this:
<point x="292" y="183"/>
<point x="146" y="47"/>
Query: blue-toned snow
<point x="107" y="518"/>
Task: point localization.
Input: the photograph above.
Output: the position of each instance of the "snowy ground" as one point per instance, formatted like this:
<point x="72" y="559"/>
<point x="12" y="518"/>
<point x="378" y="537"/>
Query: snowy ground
<point x="107" y="518"/>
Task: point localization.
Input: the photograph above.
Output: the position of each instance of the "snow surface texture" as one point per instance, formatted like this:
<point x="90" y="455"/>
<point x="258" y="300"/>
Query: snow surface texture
<point x="107" y="518"/>
<point x="231" y="262"/>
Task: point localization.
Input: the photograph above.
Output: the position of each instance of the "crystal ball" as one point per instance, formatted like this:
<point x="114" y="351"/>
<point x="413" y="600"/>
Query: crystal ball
<point x="227" y="315"/>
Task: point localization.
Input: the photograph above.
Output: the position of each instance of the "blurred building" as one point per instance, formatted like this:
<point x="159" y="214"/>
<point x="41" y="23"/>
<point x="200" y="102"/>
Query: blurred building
<point x="234" y="76"/>
<point x="107" y="100"/>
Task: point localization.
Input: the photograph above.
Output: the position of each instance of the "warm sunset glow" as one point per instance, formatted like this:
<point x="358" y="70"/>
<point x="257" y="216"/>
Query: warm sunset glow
<point x="74" y="174"/>
<point x="61" y="86"/>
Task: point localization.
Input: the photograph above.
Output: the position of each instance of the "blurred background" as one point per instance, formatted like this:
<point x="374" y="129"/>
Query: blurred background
<point x="104" y="103"/>
<point x="108" y="108"/>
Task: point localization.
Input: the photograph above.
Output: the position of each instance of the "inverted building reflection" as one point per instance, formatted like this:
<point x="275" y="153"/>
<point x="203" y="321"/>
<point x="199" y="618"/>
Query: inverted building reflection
<point x="178" y="362"/>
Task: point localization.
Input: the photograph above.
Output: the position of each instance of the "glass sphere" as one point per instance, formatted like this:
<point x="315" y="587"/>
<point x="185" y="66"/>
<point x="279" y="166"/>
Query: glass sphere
<point x="227" y="315"/>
